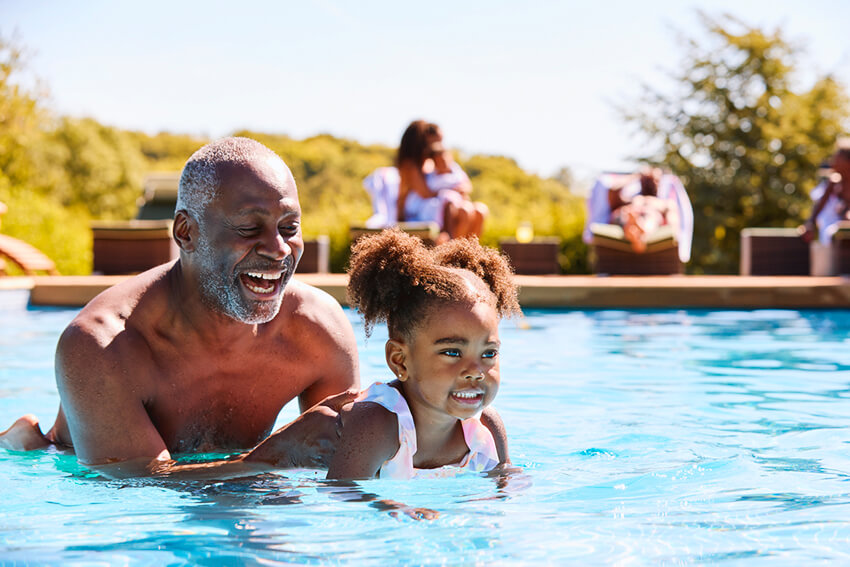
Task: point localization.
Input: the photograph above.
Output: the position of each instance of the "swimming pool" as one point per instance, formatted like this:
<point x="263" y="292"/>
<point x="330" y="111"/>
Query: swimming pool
<point x="644" y="437"/>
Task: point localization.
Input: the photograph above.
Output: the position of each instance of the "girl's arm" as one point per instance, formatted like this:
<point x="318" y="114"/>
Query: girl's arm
<point x="368" y="439"/>
<point x="492" y="421"/>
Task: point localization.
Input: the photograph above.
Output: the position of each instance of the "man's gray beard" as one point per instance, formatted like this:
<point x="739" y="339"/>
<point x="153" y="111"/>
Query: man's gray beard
<point x="221" y="292"/>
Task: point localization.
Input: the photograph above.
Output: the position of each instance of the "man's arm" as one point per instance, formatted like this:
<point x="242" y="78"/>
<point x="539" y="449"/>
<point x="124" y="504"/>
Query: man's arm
<point x="103" y="403"/>
<point x="310" y="440"/>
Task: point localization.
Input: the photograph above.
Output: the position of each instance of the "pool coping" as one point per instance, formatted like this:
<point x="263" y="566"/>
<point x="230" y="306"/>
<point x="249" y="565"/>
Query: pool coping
<point x="744" y="292"/>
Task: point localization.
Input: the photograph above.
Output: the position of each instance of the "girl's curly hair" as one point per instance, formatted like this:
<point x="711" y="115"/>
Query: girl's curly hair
<point x="394" y="278"/>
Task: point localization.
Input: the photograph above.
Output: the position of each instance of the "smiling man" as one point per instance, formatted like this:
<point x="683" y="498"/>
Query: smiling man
<point x="201" y="354"/>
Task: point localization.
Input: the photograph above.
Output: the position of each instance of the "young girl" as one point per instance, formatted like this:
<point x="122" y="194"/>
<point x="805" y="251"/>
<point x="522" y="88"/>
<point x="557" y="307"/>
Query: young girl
<point x="442" y="308"/>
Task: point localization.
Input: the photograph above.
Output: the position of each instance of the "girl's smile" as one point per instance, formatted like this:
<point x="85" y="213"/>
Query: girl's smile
<point x="451" y="364"/>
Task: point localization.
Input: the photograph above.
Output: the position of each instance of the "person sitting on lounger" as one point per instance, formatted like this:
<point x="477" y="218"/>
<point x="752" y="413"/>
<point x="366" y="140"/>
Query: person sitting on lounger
<point x="418" y="200"/>
<point x="832" y="197"/>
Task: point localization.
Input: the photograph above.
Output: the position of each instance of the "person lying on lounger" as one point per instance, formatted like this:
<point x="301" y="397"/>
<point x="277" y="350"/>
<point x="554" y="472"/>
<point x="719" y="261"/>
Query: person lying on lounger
<point x="644" y="213"/>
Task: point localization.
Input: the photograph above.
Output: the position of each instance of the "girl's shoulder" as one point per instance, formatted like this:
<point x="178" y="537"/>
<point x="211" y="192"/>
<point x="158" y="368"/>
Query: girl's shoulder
<point x="371" y="420"/>
<point x="368" y="438"/>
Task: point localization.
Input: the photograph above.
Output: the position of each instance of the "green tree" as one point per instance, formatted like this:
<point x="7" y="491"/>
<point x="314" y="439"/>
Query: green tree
<point x="103" y="168"/>
<point x="57" y="173"/>
<point x="515" y="196"/>
<point x="28" y="169"/>
<point x="746" y="144"/>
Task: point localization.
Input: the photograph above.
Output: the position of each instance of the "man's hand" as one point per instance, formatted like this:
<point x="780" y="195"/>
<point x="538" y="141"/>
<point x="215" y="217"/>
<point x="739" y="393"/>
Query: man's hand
<point x="308" y="442"/>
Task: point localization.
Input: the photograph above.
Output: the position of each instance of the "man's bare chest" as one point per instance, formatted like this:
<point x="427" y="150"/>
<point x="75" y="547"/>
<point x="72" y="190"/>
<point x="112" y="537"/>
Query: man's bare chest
<point x="220" y="406"/>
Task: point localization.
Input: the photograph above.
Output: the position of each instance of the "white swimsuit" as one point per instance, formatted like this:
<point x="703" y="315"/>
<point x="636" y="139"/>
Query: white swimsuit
<point x="482" y="454"/>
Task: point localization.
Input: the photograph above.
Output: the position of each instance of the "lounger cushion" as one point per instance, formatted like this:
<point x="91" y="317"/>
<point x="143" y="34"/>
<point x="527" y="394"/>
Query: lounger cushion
<point x="613" y="236"/>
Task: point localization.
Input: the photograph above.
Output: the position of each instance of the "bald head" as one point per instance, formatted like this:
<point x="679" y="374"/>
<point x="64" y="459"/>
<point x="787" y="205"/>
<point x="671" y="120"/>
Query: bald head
<point x="202" y="174"/>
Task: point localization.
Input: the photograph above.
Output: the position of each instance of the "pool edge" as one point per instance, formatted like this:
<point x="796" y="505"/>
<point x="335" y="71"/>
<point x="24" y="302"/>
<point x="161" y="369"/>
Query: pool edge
<point x="745" y="292"/>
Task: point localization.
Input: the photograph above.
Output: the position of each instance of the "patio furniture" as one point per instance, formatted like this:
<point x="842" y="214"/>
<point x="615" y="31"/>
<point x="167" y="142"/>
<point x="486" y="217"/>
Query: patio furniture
<point x="538" y="257"/>
<point x="427" y="231"/>
<point x="612" y="253"/>
<point x="29" y="258"/>
<point x="126" y="247"/>
<point x="316" y="257"/>
<point x="668" y="249"/>
<point x="774" y="252"/>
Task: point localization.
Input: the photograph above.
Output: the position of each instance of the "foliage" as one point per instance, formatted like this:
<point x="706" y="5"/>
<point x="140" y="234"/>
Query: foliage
<point x="165" y="152"/>
<point x="59" y="173"/>
<point x="515" y="196"/>
<point x="746" y="145"/>
<point x="330" y="171"/>
<point x="103" y="169"/>
<point x="62" y="233"/>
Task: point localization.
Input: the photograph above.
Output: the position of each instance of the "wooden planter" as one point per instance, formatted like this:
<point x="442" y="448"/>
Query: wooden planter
<point x="316" y="258"/>
<point x="127" y="247"/>
<point x="773" y="252"/>
<point x="538" y="257"/>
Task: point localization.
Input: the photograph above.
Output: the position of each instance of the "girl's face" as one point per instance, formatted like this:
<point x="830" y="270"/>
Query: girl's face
<point x="451" y="364"/>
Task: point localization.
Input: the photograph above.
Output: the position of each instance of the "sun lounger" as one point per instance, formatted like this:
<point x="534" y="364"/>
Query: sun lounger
<point x="382" y="186"/>
<point x="840" y="247"/>
<point x="29" y="258"/>
<point x="126" y="247"/>
<point x="611" y="253"/>
<point x="160" y="196"/>
<point x="427" y="231"/>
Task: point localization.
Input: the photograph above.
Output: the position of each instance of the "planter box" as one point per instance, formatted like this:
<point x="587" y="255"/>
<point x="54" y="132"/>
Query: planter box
<point x="127" y="247"/>
<point x="538" y="257"/>
<point x="774" y="252"/>
<point x="316" y="257"/>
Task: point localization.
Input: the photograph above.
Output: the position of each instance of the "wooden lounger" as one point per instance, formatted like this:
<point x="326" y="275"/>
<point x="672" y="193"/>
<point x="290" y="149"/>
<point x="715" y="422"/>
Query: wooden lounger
<point x="613" y="253"/>
<point x="427" y="231"/>
<point x="30" y="259"/>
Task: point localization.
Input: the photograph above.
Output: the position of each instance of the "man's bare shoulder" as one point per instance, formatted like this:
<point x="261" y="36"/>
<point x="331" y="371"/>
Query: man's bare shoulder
<point x="123" y="307"/>
<point x="314" y="325"/>
<point x="312" y="308"/>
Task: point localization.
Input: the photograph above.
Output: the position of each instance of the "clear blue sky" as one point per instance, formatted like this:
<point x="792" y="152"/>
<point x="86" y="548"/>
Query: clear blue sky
<point x="535" y="81"/>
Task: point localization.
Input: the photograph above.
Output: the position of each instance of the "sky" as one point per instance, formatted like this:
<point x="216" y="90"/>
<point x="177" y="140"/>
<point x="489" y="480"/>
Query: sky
<point x="538" y="81"/>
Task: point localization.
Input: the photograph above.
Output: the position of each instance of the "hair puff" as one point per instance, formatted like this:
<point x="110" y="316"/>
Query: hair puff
<point x="394" y="278"/>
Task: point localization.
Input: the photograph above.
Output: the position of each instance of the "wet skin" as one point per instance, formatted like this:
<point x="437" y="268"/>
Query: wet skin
<point x="158" y="364"/>
<point x="448" y="370"/>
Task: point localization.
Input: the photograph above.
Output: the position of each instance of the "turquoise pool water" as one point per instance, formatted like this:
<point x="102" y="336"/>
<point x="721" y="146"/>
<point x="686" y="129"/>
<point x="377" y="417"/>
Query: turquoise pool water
<point x="643" y="438"/>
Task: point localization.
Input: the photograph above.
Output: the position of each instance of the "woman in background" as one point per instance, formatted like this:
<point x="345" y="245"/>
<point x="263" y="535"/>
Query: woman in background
<point x="428" y="192"/>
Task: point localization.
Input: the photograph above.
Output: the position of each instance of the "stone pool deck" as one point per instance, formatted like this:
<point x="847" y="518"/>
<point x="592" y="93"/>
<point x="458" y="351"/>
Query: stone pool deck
<point x="737" y="292"/>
